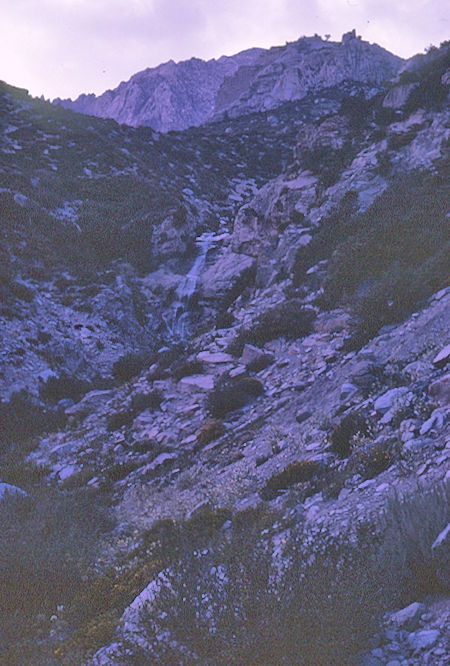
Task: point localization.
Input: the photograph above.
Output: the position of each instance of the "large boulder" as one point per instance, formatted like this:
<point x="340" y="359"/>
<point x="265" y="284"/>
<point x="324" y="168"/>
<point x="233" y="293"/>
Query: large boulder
<point x="441" y="556"/>
<point x="440" y="390"/>
<point x="8" y="492"/>
<point x="228" y="277"/>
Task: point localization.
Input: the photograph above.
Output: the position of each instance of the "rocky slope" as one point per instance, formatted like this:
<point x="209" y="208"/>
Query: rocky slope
<point x="176" y="96"/>
<point x="228" y="347"/>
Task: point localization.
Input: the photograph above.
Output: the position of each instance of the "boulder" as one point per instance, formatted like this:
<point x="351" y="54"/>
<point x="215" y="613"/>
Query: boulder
<point x="440" y="390"/>
<point x="441" y="360"/>
<point x="363" y="374"/>
<point x="255" y="359"/>
<point x="172" y="238"/>
<point x="441" y="556"/>
<point x="7" y="492"/>
<point x="302" y="415"/>
<point x="435" y="422"/>
<point x="421" y="640"/>
<point x="408" y="618"/>
<point x="214" y="357"/>
<point x="348" y="391"/>
<point x="200" y="382"/>
<point x="92" y="402"/>
<point x="390" y="399"/>
<point x="228" y="277"/>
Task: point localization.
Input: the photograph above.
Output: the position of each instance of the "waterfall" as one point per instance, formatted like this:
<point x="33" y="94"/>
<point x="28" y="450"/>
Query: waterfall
<point x="177" y="319"/>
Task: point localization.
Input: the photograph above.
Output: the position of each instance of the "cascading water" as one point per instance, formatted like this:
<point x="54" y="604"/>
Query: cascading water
<point x="177" y="319"/>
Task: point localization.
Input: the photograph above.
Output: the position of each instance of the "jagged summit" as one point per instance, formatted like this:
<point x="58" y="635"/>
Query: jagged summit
<point x="174" y="96"/>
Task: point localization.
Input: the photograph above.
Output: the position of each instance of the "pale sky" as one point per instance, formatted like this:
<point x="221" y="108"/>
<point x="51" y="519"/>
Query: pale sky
<point x="61" y="48"/>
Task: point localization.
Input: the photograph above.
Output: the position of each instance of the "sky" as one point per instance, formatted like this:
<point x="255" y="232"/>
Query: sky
<point x="61" y="48"/>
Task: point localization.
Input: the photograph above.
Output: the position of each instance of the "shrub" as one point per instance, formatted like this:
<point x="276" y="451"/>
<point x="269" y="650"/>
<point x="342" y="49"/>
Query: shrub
<point x="237" y="610"/>
<point x="211" y="430"/>
<point x="118" y="419"/>
<point x="129" y="365"/>
<point x="184" y="368"/>
<point x="372" y="458"/>
<point x="22" y="292"/>
<point x="65" y="386"/>
<point x="23" y="417"/>
<point x="288" y="319"/>
<point x="260" y="363"/>
<point x="412" y="525"/>
<point x="151" y="400"/>
<point x="118" y="471"/>
<point x="231" y="394"/>
<point x="224" y="319"/>
<point x="296" y="472"/>
<point x="343" y="433"/>
<point x="44" y="553"/>
<point x="234" y="603"/>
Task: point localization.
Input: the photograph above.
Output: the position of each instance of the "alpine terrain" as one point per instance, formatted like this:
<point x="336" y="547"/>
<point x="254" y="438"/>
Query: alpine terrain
<point x="224" y="379"/>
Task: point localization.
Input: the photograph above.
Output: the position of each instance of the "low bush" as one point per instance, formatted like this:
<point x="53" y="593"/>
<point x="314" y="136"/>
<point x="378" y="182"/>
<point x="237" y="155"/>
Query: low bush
<point x="211" y="430"/>
<point x="22" y="291"/>
<point x="129" y="365"/>
<point x="64" y="386"/>
<point x="231" y="394"/>
<point x="371" y="458"/>
<point x="118" y="419"/>
<point x="151" y="400"/>
<point x="183" y="368"/>
<point x="412" y="525"/>
<point x="23" y="417"/>
<point x="44" y="553"/>
<point x="296" y="472"/>
<point x="343" y="433"/>
<point x="289" y="319"/>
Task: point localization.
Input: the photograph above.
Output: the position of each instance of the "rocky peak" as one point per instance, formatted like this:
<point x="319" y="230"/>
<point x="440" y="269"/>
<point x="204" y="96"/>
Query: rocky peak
<point x="179" y="95"/>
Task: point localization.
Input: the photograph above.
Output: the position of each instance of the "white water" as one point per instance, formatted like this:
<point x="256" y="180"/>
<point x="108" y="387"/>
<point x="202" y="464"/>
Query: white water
<point x="177" y="319"/>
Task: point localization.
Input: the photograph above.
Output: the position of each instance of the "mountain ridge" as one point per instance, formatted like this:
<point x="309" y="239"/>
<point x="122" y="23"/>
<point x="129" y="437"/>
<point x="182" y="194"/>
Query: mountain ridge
<point x="175" y="96"/>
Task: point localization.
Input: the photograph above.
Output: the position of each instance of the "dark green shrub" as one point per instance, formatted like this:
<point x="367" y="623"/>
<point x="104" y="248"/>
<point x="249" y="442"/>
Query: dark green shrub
<point x="289" y="319"/>
<point x="211" y="430"/>
<point x="224" y="319"/>
<point x="151" y="400"/>
<point x="231" y="394"/>
<point x="260" y="363"/>
<point x="118" y="419"/>
<point x="372" y="458"/>
<point x="64" y="386"/>
<point x="412" y="523"/>
<point x="296" y="472"/>
<point x="233" y="604"/>
<point x="119" y="471"/>
<point x="44" y="553"/>
<point x="183" y="368"/>
<point x="129" y="365"/>
<point x="343" y="433"/>
<point x="23" y="417"/>
<point x="22" y="292"/>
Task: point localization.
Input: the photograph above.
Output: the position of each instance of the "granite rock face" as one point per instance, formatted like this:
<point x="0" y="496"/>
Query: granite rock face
<point x="175" y="96"/>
